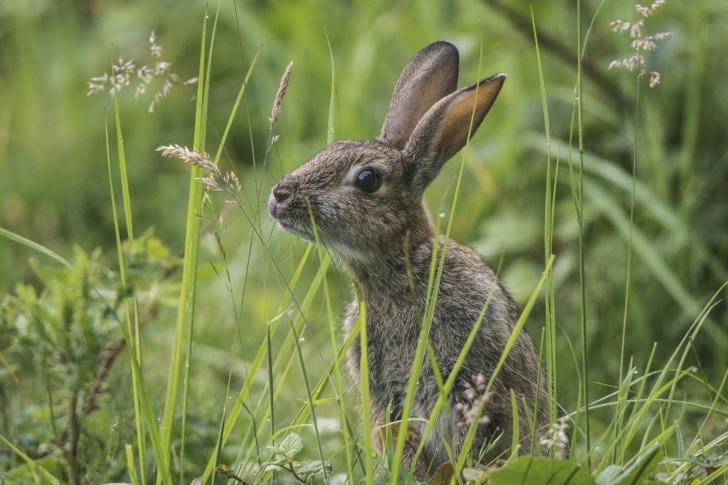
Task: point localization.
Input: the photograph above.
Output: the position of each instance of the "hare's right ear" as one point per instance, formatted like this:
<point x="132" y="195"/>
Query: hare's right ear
<point x="447" y="126"/>
<point x="429" y="76"/>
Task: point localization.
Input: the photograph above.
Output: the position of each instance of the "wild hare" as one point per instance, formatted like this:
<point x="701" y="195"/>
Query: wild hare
<point x="366" y="199"/>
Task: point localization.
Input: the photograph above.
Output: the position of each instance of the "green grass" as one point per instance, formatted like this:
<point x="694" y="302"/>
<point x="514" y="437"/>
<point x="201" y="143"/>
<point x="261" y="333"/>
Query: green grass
<point x="249" y="320"/>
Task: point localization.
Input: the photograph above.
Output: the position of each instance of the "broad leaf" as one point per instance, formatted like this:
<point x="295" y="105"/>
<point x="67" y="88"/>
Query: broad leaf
<point x="543" y="471"/>
<point x="635" y="473"/>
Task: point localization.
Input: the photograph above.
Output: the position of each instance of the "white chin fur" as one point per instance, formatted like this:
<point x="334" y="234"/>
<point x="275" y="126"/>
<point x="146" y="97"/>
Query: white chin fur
<point x="349" y="254"/>
<point x="345" y="252"/>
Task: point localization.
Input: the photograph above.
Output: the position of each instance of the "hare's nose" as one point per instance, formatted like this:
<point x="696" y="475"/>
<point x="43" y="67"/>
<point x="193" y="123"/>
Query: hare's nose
<point x="281" y="192"/>
<point x="278" y="195"/>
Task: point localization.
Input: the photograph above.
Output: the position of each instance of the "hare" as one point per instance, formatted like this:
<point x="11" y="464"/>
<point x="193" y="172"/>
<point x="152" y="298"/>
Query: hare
<point x="366" y="199"/>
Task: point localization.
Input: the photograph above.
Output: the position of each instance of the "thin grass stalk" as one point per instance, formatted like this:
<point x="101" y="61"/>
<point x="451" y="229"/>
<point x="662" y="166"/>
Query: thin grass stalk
<point x="330" y="131"/>
<point x="35" y="246"/>
<point x="340" y="354"/>
<point x="431" y="303"/>
<point x="438" y="375"/>
<point x="638" y="396"/>
<point x="692" y="110"/>
<point x="234" y="111"/>
<point x="218" y="444"/>
<point x="281" y="368"/>
<point x="165" y="475"/>
<point x="364" y="387"/>
<point x="548" y="243"/>
<point x="620" y="410"/>
<point x="604" y="404"/>
<point x="582" y="272"/>
<point x="35" y="468"/>
<point x="317" y="391"/>
<point x="130" y="466"/>
<point x="534" y="427"/>
<point x="577" y="415"/>
<point x="271" y="381"/>
<point x="695" y="445"/>
<point x="330" y="136"/>
<point x="251" y="441"/>
<point x="631" y="227"/>
<point x="122" y="172"/>
<point x="310" y="401"/>
<point x="720" y="472"/>
<point x="189" y="272"/>
<point x="199" y="143"/>
<point x="582" y="276"/>
<point x="141" y="441"/>
<point x="442" y="398"/>
<point x="338" y="383"/>
<point x="654" y="207"/>
<point x="243" y="394"/>
<point x="515" y="445"/>
<point x="648" y="402"/>
<point x="662" y="271"/>
<point x="133" y="340"/>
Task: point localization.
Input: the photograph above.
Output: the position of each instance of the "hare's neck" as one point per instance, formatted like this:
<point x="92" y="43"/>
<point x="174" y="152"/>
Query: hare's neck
<point x="395" y="276"/>
<point x="404" y="262"/>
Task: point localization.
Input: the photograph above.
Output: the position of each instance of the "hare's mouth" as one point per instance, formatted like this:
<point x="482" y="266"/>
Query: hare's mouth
<point x="300" y="231"/>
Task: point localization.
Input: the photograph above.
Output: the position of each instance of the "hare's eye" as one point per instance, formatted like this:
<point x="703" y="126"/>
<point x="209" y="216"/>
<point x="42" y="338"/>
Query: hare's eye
<point x="369" y="180"/>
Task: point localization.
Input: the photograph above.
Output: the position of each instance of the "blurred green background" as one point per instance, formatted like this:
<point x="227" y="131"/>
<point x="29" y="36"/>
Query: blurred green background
<point x="54" y="188"/>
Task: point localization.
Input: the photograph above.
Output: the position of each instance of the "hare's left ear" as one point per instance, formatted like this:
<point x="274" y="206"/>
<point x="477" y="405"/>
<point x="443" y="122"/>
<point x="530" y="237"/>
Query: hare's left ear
<point x="444" y="129"/>
<point x="428" y="77"/>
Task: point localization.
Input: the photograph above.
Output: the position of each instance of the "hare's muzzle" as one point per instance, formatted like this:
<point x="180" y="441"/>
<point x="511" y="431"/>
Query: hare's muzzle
<point x="278" y="196"/>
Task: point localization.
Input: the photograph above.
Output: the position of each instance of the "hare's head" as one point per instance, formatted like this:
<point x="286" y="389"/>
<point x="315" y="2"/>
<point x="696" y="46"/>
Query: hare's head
<point x="366" y="197"/>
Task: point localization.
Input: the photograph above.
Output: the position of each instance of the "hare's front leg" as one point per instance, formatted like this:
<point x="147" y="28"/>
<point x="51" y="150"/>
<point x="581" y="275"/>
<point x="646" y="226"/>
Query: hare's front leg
<point x="381" y="427"/>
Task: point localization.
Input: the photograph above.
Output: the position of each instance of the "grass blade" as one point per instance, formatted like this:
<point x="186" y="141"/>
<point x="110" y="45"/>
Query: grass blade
<point x="35" y="246"/>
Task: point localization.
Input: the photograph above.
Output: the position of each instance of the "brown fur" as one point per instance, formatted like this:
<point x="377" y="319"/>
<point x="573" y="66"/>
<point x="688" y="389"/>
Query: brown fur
<point x="426" y="125"/>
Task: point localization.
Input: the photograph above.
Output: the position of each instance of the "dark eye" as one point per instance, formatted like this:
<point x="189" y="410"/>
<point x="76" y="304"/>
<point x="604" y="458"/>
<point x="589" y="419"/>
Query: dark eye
<point x="369" y="180"/>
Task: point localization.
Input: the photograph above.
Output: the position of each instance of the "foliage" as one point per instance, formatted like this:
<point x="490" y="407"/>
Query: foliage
<point x="68" y="335"/>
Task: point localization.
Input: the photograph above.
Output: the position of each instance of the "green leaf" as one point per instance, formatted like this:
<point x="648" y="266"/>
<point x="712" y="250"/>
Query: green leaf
<point x="609" y="475"/>
<point x="443" y="475"/>
<point x="544" y="471"/>
<point x="635" y="473"/>
<point x="474" y="475"/>
<point x="290" y="446"/>
<point x="311" y="468"/>
<point x="715" y="461"/>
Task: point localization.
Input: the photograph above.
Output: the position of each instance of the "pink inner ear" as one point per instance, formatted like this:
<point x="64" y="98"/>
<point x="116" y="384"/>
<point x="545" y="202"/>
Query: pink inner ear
<point x="455" y="124"/>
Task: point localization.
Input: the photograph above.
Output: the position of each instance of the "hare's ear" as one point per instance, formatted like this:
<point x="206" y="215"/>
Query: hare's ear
<point x="444" y="129"/>
<point x="429" y="76"/>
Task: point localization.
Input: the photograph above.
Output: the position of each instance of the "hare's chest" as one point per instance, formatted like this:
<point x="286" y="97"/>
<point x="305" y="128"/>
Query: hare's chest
<point x="393" y="333"/>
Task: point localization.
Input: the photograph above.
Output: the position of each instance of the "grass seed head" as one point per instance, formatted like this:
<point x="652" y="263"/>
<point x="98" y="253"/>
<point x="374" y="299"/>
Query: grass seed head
<point x="275" y="113"/>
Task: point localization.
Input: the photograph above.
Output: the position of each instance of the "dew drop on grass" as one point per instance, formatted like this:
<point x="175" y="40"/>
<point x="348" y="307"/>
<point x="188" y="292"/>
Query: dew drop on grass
<point x="442" y="215"/>
<point x="694" y="370"/>
<point x="301" y="339"/>
<point x="634" y="372"/>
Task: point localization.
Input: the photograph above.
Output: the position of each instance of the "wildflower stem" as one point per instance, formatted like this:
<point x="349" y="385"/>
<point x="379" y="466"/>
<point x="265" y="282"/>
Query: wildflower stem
<point x="582" y="278"/>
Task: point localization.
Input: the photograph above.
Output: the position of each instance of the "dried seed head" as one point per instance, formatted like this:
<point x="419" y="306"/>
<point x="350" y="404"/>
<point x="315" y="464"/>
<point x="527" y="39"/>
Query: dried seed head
<point x="123" y="70"/>
<point x="210" y="182"/>
<point x="279" y="95"/>
<point x="640" y="44"/>
<point x="190" y="156"/>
